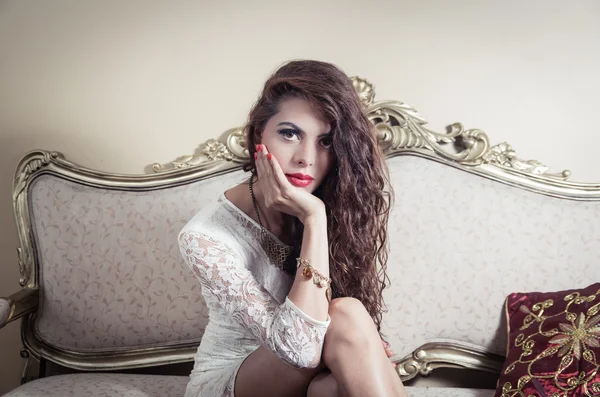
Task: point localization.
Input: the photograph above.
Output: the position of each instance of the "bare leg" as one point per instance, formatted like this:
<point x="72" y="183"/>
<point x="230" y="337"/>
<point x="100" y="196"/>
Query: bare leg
<point x="323" y="385"/>
<point x="265" y="374"/>
<point x="354" y="354"/>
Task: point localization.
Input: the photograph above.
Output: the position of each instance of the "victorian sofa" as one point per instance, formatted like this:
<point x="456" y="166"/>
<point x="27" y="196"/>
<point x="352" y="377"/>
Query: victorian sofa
<point x="108" y="308"/>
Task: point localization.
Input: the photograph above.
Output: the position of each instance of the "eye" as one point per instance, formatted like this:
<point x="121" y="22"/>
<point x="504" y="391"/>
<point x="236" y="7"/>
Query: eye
<point x="288" y="133"/>
<point x="327" y="142"/>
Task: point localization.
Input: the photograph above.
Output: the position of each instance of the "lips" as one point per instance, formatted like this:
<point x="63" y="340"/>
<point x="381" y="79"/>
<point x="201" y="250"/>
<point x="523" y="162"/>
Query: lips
<point x="301" y="176"/>
<point x="300" y="180"/>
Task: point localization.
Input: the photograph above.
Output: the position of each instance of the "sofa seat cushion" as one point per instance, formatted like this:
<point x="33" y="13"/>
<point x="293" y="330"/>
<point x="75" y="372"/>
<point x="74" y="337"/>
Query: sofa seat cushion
<point x="414" y="391"/>
<point x="103" y="385"/>
<point x="110" y="385"/>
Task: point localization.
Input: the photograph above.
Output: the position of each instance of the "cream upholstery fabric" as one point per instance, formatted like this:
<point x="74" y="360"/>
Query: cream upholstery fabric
<point x="111" y="385"/>
<point x="4" y="311"/>
<point x="103" y="385"/>
<point x="448" y="392"/>
<point x="460" y="243"/>
<point x="112" y="276"/>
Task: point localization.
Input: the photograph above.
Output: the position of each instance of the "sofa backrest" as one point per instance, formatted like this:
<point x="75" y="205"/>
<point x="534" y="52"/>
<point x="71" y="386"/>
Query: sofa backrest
<point x="111" y="273"/>
<point x="470" y="224"/>
<point x="461" y="242"/>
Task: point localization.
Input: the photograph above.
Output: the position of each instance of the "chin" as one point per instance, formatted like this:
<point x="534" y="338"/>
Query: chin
<point x="312" y="189"/>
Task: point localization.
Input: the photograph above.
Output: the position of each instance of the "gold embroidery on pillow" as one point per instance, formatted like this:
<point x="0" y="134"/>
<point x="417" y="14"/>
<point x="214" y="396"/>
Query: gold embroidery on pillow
<point x="574" y="338"/>
<point x="571" y="340"/>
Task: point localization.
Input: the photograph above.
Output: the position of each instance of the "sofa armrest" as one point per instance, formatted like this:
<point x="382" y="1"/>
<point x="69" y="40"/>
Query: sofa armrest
<point x="17" y="305"/>
<point x="4" y="311"/>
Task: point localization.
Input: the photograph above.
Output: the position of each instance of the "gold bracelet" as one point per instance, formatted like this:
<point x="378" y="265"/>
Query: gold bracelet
<point x="319" y="280"/>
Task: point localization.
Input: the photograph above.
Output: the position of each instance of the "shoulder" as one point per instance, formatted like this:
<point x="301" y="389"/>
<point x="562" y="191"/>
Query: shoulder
<point x="211" y="224"/>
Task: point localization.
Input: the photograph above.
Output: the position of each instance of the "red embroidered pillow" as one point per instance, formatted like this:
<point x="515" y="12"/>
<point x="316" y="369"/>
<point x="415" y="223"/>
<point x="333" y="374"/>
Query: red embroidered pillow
<point x="553" y="344"/>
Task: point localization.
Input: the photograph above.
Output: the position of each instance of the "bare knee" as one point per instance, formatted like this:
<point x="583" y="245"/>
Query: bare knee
<point x="351" y="325"/>
<point x="346" y="312"/>
<point x="346" y="306"/>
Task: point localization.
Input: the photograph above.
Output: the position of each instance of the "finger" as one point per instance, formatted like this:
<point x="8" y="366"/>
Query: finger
<point x="258" y="164"/>
<point x="261" y="167"/>
<point x="386" y="347"/>
<point x="262" y="159"/>
<point x="278" y="174"/>
<point x="273" y="169"/>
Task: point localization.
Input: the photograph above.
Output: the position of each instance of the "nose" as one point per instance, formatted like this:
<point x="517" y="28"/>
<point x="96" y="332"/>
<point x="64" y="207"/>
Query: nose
<point x="305" y="155"/>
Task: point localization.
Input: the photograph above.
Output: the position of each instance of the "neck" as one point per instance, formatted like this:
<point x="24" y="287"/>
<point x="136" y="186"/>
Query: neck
<point x="277" y="222"/>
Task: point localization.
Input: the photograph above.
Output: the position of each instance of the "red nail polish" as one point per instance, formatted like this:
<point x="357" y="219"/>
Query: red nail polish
<point x="269" y="156"/>
<point x="256" y="147"/>
<point x="262" y="147"/>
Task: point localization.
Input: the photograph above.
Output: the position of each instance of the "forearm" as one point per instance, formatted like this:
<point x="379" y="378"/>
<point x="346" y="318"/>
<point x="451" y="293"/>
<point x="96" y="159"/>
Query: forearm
<point x="310" y="298"/>
<point x="227" y="282"/>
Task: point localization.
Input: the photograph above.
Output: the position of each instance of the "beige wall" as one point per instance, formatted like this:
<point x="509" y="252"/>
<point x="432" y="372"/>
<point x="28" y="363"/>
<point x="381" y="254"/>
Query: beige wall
<point x="118" y="85"/>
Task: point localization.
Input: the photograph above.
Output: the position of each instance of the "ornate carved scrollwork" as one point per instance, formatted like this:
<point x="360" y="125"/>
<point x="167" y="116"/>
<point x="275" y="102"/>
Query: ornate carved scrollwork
<point x="449" y="355"/>
<point x="23" y="269"/>
<point x="31" y="369"/>
<point x="37" y="161"/>
<point x="234" y="149"/>
<point x="29" y="165"/>
<point x="400" y="128"/>
<point x="503" y="155"/>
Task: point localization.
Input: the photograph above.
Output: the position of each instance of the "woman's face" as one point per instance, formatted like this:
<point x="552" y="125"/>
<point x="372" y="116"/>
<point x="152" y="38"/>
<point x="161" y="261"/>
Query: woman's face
<point x="300" y="142"/>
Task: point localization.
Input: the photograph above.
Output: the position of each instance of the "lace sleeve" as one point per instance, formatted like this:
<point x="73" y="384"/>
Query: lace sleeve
<point x="283" y="329"/>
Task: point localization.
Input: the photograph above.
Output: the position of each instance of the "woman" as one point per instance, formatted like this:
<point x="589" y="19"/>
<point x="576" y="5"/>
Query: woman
<point x="288" y="262"/>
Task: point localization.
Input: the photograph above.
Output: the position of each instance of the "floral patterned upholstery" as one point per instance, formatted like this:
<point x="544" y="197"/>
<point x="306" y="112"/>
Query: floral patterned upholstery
<point x="447" y="392"/>
<point x="112" y="276"/>
<point x="103" y="385"/>
<point x="461" y="243"/>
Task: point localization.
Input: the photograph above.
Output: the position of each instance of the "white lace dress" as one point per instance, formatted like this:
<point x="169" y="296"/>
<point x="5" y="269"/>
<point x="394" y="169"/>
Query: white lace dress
<point x="247" y="301"/>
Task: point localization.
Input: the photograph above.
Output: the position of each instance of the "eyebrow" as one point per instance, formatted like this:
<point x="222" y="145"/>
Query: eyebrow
<point x="294" y="126"/>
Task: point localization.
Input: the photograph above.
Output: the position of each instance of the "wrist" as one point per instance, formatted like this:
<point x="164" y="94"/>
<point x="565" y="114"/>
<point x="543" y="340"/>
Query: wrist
<point x="315" y="219"/>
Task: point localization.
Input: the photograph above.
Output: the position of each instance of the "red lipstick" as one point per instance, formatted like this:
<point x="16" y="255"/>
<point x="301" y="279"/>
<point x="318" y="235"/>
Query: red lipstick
<point x="300" y="180"/>
<point x="301" y="176"/>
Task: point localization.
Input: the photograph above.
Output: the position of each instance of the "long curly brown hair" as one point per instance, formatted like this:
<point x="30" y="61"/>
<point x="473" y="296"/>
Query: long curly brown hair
<point x="354" y="192"/>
